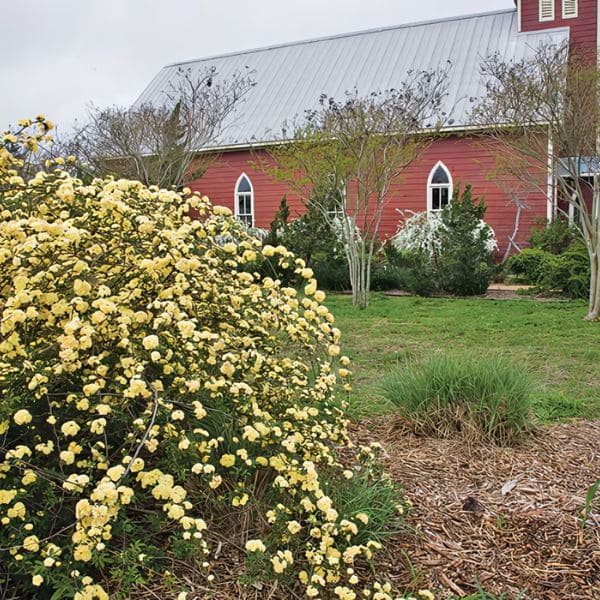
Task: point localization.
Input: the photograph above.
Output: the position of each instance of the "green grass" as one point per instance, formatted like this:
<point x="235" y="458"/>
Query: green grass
<point x="550" y="339"/>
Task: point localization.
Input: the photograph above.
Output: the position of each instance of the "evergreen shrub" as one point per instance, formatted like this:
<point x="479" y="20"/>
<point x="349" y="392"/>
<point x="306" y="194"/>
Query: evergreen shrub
<point x="452" y="251"/>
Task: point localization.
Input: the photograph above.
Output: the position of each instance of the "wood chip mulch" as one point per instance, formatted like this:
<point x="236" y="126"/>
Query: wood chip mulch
<point x="509" y="518"/>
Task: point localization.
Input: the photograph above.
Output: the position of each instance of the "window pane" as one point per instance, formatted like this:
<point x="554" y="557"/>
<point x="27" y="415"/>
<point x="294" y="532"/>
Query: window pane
<point x="440" y="197"/>
<point x="435" y="199"/>
<point x="440" y="176"/>
<point x="444" y="197"/>
<point x="244" y="185"/>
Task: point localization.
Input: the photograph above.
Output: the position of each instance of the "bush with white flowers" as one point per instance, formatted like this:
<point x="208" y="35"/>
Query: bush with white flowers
<point x="451" y="250"/>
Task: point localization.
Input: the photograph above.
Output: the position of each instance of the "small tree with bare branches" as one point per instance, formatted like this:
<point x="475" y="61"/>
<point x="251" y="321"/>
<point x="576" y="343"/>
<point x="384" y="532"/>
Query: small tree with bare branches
<point x="344" y="156"/>
<point x="159" y="144"/>
<point x="542" y="113"/>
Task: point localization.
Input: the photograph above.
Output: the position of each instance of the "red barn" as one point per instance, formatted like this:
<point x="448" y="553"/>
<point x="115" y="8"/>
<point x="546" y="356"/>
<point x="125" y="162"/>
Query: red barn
<point x="291" y="77"/>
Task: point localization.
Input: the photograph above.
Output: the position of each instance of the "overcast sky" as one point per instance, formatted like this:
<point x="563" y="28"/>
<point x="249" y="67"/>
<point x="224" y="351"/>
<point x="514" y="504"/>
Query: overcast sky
<point x="57" y="56"/>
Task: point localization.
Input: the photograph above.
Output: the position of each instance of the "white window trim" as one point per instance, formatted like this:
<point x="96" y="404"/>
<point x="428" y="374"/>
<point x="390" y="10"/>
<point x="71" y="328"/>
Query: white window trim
<point x="550" y="188"/>
<point x="431" y="186"/>
<point x="564" y="10"/>
<point x="550" y="18"/>
<point x="235" y="197"/>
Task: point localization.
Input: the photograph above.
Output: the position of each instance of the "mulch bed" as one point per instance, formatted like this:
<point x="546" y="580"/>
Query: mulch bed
<point x="509" y="518"/>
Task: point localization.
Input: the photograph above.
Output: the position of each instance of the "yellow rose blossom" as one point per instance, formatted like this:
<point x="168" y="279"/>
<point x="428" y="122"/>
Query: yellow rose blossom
<point x="115" y="473"/>
<point x="31" y="543"/>
<point x="97" y="426"/>
<point x="255" y="546"/>
<point x="227" y="369"/>
<point x="17" y="511"/>
<point x="150" y="342"/>
<point x="22" y="417"/>
<point x="70" y="428"/>
<point x="67" y="457"/>
<point x="137" y="465"/>
<point x="227" y="460"/>
<point x="333" y="350"/>
<point x="294" y="527"/>
<point x="215" y="482"/>
<point x="82" y="552"/>
<point x="345" y="593"/>
<point x="29" y="477"/>
<point x="364" y="518"/>
<point x="81" y="288"/>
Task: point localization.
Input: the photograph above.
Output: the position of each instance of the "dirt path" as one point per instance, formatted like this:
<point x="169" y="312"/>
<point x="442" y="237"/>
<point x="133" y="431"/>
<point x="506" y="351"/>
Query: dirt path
<point x="508" y="517"/>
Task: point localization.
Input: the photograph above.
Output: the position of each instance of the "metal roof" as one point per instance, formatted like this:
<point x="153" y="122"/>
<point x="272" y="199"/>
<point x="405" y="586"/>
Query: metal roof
<point x="291" y="77"/>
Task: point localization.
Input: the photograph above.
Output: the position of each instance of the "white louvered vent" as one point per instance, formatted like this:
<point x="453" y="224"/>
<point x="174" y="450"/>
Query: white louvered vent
<point x="546" y="10"/>
<point x="569" y="9"/>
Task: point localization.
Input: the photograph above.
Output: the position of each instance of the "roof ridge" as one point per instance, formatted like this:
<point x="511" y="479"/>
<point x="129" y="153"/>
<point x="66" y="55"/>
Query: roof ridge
<point x="343" y="35"/>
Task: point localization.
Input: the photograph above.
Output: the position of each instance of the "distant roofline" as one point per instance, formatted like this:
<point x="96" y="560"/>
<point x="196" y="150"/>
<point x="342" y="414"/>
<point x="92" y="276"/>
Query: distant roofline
<point x="345" y="35"/>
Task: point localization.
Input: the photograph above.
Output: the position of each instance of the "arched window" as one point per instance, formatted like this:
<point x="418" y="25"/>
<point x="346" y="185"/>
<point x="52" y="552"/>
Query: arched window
<point x="244" y="200"/>
<point x="439" y="188"/>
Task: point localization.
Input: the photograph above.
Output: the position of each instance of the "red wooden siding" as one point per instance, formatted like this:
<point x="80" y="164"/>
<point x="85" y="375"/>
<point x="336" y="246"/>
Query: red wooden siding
<point x="583" y="28"/>
<point x="218" y="183"/>
<point x="466" y="158"/>
<point x="470" y="162"/>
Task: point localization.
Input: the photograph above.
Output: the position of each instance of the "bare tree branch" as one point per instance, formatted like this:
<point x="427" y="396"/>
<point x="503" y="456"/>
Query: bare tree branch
<point x="542" y="115"/>
<point x="159" y="145"/>
<point x="343" y="157"/>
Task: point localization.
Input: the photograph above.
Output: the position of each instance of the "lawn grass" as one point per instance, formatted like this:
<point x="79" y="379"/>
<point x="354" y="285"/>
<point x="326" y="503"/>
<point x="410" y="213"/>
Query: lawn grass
<point x="551" y="339"/>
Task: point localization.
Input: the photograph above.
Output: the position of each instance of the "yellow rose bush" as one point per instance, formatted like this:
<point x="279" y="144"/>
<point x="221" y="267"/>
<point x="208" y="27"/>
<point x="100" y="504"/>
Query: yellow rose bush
<point x="150" y="385"/>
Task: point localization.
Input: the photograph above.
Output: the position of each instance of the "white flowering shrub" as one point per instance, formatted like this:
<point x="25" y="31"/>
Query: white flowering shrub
<point x="423" y="232"/>
<point x="147" y="382"/>
<point x="452" y="249"/>
<point x="419" y="233"/>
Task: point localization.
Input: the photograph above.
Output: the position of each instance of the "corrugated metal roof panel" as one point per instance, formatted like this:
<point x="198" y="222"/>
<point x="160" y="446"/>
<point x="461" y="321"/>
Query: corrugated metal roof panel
<point x="290" y="78"/>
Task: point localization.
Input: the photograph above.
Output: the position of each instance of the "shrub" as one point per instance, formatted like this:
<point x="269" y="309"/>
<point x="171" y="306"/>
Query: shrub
<point x="332" y="274"/>
<point x="477" y="397"/>
<point x="151" y="389"/>
<point x="419" y="233"/>
<point x="416" y="272"/>
<point x="453" y="250"/>
<point x="528" y="265"/>
<point x="465" y="262"/>
<point x="568" y="272"/>
<point x="385" y="277"/>
<point x="554" y="237"/>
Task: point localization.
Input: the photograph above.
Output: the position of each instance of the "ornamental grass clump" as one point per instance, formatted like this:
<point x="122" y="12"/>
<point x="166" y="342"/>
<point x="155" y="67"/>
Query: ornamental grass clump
<point x="152" y="388"/>
<point x="486" y="398"/>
